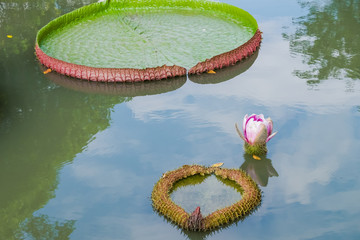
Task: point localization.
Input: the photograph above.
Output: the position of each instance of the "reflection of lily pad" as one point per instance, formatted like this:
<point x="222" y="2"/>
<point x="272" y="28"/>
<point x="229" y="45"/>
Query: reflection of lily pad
<point x="250" y="199"/>
<point x="223" y="75"/>
<point x="123" y="40"/>
<point x="124" y="89"/>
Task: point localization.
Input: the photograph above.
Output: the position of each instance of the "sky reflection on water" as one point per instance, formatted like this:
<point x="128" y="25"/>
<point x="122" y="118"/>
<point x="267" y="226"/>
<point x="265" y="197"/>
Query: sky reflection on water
<point x="88" y="162"/>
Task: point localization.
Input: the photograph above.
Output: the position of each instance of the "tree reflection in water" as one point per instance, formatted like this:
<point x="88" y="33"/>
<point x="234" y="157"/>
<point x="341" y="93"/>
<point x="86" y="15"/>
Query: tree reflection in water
<point x="328" y="39"/>
<point x="43" y="228"/>
<point x="42" y="126"/>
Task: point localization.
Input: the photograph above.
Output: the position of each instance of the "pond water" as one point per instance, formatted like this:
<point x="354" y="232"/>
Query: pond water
<point x="79" y="160"/>
<point x="207" y="192"/>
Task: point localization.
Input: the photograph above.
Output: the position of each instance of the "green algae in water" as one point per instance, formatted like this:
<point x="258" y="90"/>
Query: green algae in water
<point x="142" y="38"/>
<point x="208" y="192"/>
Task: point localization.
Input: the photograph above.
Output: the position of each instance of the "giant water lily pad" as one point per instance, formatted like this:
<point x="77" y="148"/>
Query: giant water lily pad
<point x="250" y="198"/>
<point x="123" y="40"/>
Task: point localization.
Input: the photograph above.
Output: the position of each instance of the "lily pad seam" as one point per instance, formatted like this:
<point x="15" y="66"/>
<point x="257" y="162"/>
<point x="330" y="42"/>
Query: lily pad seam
<point x="128" y="24"/>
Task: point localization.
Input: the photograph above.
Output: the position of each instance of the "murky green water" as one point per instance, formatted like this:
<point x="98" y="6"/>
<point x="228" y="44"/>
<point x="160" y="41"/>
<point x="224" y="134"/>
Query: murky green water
<point x="79" y="160"/>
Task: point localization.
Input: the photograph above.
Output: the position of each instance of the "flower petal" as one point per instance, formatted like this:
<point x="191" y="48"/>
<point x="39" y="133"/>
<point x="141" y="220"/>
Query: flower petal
<point x="261" y="135"/>
<point x="239" y="132"/>
<point x="251" y="117"/>
<point x="248" y="118"/>
<point x="244" y="121"/>
<point x="269" y="126"/>
<point x="271" y="136"/>
<point x="261" y="118"/>
<point x="251" y="130"/>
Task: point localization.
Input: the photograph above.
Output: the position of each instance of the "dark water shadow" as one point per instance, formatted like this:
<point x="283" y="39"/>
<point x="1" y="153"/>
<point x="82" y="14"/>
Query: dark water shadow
<point x="259" y="170"/>
<point x="120" y="89"/>
<point x="227" y="73"/>
<point x="3" y="98"/>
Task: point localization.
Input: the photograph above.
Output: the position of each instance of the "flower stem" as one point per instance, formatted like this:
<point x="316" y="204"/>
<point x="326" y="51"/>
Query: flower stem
<point x="258" y="149"/>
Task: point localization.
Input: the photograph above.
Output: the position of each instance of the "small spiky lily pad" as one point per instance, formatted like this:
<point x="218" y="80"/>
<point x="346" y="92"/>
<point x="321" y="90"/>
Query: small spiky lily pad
<point x="251" y="198"/>
<point x="137" y="40"/>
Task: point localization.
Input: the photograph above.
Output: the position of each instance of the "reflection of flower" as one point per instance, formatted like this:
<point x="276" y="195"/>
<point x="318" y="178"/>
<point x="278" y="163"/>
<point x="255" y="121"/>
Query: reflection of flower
<point x="257" y="131"/>
<point x="259" y="170"/>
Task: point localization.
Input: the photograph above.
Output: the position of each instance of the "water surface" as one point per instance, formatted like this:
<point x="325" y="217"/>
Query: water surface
<point x="79" y="163"/>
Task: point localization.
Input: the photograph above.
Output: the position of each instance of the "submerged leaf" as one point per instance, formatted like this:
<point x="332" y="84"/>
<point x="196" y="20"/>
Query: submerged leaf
<point x="256" y="157"/>
<point x="211" y="72"/>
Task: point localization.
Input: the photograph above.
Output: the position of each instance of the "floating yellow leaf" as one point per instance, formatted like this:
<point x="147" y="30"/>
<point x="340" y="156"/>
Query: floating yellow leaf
<point x="47" y="71"/>
<point x="217" y="164"/>
<point x="211" y="72"/>
<point x="256" y="157"/>
<point x="9" y="36"/>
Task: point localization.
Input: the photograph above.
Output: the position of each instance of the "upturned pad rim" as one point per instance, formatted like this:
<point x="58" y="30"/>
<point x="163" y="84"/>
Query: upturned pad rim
<point x="251" y="198"/>
<point x="152" y="73"/>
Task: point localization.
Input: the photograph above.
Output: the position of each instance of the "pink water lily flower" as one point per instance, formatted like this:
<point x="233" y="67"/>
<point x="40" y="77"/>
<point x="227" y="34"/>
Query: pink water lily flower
<point x="256" y="129"/>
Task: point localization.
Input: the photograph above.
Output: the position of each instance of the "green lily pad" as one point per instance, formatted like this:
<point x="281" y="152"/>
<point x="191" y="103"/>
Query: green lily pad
<point x="124" y="34"/>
